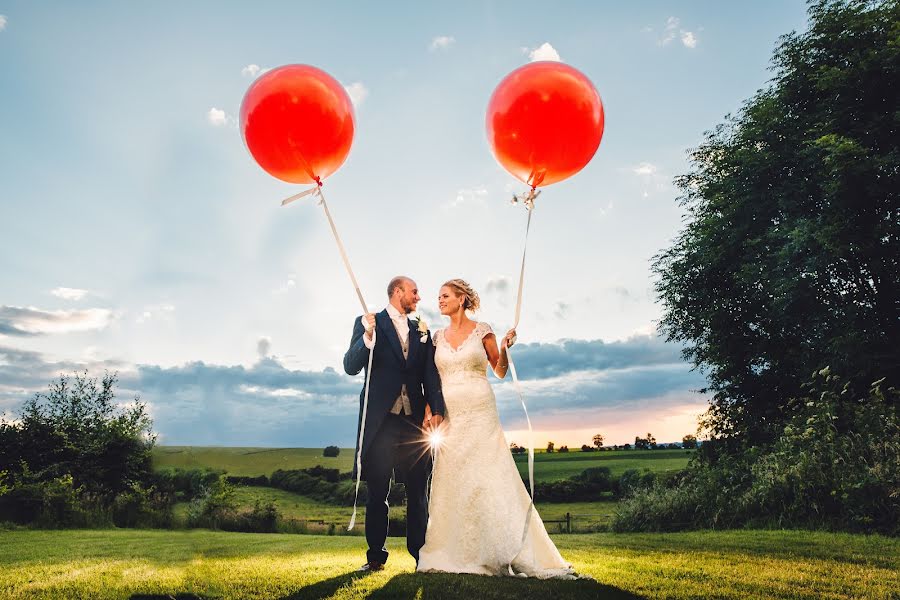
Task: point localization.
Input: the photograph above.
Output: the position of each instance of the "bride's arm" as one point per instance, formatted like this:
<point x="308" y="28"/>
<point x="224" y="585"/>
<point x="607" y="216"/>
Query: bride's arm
<point x="496" y="356"/>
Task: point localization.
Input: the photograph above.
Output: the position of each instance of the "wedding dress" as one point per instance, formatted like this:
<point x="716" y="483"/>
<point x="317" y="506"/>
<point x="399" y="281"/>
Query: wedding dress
<point x="478" y="501"/>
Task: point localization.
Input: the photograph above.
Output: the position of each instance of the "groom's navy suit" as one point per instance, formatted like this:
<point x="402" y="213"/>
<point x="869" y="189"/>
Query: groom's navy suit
<point x="394" y="444"/>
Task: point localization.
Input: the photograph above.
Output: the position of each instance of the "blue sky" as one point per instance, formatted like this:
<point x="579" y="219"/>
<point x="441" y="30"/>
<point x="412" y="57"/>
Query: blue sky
<point x="137" y="234"/>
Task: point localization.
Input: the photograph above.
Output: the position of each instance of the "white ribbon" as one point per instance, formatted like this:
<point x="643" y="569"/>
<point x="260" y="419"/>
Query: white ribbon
<point x="316" y="192"/>
<point x="528" y="200"/>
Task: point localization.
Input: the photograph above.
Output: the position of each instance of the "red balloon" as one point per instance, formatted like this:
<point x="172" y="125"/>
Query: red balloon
<point x="297" y="122"/>
<point x="544" y="122"/>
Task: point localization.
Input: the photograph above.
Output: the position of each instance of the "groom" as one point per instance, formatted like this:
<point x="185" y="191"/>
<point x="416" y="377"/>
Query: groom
<point x="403" y="380"/>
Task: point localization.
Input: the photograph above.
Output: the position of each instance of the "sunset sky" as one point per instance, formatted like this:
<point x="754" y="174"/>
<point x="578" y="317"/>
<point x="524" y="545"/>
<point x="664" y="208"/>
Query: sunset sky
<point x="137" y="234"/>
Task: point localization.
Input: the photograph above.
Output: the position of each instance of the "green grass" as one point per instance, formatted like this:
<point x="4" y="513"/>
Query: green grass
<point x="556" y="465"/>
<point x="548" y="467"/>
<point x="162" y="564"/>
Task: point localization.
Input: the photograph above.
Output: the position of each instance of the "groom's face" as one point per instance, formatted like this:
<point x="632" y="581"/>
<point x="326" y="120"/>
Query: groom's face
<point x="409" y="296"/>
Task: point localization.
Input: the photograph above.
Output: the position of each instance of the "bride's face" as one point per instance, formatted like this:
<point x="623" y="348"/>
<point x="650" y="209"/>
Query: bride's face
<point x="448" y="302"/>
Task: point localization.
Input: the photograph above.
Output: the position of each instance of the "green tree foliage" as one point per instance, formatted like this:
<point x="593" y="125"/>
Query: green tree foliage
<point x="72" y="452"/>
<point x="689" y="441"/>
<point x="789" y="258"/>
<point x="331" y="451"/>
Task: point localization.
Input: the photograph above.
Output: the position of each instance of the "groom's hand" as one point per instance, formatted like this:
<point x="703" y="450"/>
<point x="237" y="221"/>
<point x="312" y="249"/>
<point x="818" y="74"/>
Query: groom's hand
<point x="368" y="321"/>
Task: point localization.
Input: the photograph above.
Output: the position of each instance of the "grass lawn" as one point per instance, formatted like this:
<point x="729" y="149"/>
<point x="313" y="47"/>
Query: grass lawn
<point x="547" y="467"/>
<point x="141" y="564"/>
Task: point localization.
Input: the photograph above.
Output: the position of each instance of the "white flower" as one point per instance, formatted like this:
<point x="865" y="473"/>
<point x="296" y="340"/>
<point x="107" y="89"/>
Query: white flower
<point x="423" y="329"/>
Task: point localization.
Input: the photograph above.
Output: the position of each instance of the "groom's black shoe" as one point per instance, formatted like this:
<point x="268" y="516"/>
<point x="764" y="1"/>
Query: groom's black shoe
<point x="371" y="567"/>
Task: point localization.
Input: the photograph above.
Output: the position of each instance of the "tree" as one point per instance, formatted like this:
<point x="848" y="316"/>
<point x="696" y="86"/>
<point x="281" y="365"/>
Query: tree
<point x="586" y="448"/>
<point x="598" y="441"/>
<point x="78" y="429"/>
<point x="641" y="443"/>
<point x="331" y="451"/>
<point x="689" y="441"/>
<point x="549" y="446"/>
<point x="563" y="448"/>
<point x="790" y="257"/>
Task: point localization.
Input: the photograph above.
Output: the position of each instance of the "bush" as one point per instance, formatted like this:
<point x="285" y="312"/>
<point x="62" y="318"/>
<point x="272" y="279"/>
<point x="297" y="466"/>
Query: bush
<point x="213" y="506"/>
<point x="331" y="451"/>
<point x="835" y="465"/>
<point x="185" y="484"/>
<point x="143" y="507"/>
<point x="260" y="480"/>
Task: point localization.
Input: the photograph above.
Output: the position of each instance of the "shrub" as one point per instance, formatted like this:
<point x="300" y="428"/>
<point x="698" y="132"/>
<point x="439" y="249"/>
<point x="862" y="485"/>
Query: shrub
<point x="835" y="465"/>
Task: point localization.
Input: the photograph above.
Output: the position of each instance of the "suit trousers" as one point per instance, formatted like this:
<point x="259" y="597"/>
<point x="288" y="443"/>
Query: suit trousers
<point x="399" y="446"/>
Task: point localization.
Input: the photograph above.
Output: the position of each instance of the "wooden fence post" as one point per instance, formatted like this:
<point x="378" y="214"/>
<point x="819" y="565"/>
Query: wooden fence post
<point x="568" y="523"/>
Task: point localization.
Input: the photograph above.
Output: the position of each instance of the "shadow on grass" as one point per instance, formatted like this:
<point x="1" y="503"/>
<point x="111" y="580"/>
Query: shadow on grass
<point x="436" y="586"/>
<point x="324" y="589"/>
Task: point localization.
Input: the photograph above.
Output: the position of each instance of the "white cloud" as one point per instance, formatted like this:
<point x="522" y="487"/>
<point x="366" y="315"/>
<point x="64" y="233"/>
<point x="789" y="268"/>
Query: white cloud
<point x="287" y="286"/>
<point x="217" y="117"/>
<point x="157" y="311"/>
<point x="358" y="93"/>
<point x="69" y="293"/>
<point x="669" y="31"/>
<point x="2" y="22"/>
<point x="688" y="39"/>
<point x="28" y="321"/>
<point x="644" y="168"/>
<point x="476" y="195"/>
<point x="442" y="42"/>
<point x="561" y="309"/>
<point x="672" y="30"/>
<point x="499" y="284"/>
<point x="263" y="345"/>
<point x="543" y="52"/>
<point x="253" y="70"/>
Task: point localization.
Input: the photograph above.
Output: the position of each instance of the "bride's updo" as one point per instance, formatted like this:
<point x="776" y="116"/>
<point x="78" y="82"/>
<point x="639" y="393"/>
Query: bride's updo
<point x="471" y="301"/>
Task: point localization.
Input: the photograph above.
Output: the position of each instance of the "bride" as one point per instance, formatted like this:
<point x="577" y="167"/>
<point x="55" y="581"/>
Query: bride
<point x="478" y="502"/>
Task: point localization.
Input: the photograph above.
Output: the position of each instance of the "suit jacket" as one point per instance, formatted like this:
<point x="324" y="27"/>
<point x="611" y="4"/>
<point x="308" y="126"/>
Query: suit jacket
<point x="389" y="372"/>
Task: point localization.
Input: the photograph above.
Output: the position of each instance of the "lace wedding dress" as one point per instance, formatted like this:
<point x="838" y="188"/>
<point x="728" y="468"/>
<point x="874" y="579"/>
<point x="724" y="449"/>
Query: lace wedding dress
<point x="478" y="501"/>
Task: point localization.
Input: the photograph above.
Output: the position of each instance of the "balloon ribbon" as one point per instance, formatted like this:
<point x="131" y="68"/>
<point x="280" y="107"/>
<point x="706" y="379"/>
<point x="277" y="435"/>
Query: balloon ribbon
<point x="316" y="192"/>
<point x="528" y="200"/>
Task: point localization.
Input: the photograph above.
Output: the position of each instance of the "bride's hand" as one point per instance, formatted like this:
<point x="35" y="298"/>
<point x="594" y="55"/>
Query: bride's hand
<point x="510" y="338"/>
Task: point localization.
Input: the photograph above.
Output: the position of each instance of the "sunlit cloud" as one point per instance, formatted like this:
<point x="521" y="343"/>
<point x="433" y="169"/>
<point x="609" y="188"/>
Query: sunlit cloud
<point x="358" y="93"/>
<point x="543" y="52"/>
<point x="254" y="70"/>
<point x="689" y="39"/>
<point x="69" y="293"/>
<point x="217" y="117"/>
<point x="30" y="321"/>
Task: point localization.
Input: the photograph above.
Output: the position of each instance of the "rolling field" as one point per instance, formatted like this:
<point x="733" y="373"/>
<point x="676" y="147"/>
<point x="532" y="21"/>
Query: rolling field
<point x="248" y="461"/>
<point x="141" y="564"/>
<point x="555" y="466"/>
<point x="547" y="467"/>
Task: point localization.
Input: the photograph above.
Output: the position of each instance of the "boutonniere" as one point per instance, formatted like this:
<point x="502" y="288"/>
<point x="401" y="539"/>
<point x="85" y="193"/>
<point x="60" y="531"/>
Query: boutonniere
<point x="422" y="328"/>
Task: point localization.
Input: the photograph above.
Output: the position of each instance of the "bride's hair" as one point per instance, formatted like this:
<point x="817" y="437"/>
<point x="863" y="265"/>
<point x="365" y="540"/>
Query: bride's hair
<point x="462" y="288"/>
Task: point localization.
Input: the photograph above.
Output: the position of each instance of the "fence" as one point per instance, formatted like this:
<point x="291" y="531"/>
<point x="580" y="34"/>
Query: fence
<point x="568" y="523"/>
